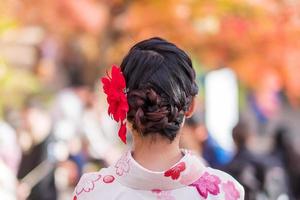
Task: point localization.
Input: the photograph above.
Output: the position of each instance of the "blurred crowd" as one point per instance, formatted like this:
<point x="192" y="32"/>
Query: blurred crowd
<point x="45" y="150"/>
<point x="57" y="133"/>
<point x="270" y="174"/>
<point x="45" y="147"/>
<point x="48" y="142"/>
<point x="53" y="119"/>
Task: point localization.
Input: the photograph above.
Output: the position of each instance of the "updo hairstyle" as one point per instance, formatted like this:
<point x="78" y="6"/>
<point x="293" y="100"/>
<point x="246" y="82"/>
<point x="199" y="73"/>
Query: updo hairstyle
<point x="160" y="83"/>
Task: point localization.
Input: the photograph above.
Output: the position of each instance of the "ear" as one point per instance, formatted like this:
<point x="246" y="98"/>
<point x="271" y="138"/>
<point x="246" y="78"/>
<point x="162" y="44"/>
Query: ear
<point x="191" y="109"/>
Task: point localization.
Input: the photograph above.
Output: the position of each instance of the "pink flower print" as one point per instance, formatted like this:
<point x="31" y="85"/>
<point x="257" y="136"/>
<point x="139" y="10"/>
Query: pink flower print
<point x="87" y="183"/>
<point x="231" y="193"/>
<point x="175" y="171"/>
<point x="122" y="166"/>
<point x="207" y="183"/>
<point x="163" y="195"/>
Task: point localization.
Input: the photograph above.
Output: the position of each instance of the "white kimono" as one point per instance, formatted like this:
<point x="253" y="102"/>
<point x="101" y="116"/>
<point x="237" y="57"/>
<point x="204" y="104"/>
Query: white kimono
<point x="187" y="179"/>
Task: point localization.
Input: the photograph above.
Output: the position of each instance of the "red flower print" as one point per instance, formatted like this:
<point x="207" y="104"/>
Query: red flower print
<point x="87" y="183"/>
<point x="75" y="197"/>
<point x="175" y="171"/>
<point x="231" y="193"/>
<point x="207" y="184"/>
<point x="122" y="166"/>
<point x="114" y="87"/>
<point x="108" y="179"/>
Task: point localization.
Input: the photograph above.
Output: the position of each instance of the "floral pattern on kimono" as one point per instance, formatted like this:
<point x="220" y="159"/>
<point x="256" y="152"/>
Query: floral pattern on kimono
<point x="87" y="183"/>
<point x="231" y="193"/>
<point x="189" y="179"/>
<point x="175" y="171"/>
<point x="207" y="184"/>
<point x="122" y="166"/>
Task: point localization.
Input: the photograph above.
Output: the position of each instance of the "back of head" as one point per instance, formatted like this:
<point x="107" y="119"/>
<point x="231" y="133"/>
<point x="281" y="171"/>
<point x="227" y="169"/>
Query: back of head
<point x="160" y="81"/>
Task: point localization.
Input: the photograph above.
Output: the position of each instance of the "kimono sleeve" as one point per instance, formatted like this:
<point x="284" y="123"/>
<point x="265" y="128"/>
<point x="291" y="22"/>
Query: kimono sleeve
<point x="86" y="186"/>
<point x="230" y="188"/>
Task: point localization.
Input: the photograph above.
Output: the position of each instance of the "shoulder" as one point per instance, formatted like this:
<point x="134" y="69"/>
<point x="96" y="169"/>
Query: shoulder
<point x="228" y="185"/>
<point x="96" y="184"/>
<point x="215" y="184"/>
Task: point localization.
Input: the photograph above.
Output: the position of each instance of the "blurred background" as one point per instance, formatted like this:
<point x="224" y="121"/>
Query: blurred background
<point x="53" y="118"/>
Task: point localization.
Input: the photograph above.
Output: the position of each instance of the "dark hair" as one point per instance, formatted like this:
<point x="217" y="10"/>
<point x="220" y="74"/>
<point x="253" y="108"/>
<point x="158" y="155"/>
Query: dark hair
<point x="160" y="81"/>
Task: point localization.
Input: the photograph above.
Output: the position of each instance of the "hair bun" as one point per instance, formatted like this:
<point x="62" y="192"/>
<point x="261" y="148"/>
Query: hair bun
<point x="161" y="82"/>
<point x="150" y="113"/>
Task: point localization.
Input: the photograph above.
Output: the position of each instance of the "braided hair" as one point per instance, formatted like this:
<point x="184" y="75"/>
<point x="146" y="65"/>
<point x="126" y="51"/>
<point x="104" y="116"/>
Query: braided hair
<point x="160" y="81"/>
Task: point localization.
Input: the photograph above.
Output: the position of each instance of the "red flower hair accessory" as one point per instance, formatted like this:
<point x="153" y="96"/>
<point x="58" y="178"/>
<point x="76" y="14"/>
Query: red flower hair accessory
<point x="114" y="87"/>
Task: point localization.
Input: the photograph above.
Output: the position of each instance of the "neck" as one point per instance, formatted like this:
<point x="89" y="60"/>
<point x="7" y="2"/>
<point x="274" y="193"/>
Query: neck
<point x="156" y="154"/>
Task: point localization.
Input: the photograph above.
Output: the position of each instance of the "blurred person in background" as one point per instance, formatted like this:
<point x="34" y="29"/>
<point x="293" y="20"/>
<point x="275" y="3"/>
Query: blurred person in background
<point x="36" y="173"/>
<point x="246" y="167"/>
<point x="69" y="103"/>
<point x="292" y="156"/>
<point x="97" y="127"/>
<point x="214" y="153"/>
<point x="279" y="174"/>
<point x="81" y="127"/>
<point x="289" y="152"/>
<point x="68" y="107"/>
<point x="285" y="148"/>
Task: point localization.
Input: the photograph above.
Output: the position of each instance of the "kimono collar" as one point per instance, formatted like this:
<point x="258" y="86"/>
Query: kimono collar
<point x="131" y="174"/>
